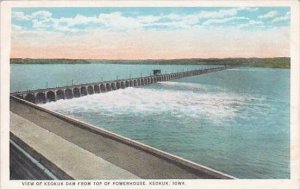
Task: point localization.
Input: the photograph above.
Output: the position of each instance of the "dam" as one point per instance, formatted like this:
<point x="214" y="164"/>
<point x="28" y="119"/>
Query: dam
<point x="68" y="92"/>
<point x="38" y="131"/>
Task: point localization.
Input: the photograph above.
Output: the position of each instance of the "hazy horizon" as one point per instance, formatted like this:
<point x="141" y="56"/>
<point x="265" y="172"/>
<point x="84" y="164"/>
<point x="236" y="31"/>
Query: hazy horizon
<point x="153" y="59"/>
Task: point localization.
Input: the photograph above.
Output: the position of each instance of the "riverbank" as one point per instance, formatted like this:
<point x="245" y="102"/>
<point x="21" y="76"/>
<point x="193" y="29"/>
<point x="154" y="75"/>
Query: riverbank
<point x="277" y="62"/>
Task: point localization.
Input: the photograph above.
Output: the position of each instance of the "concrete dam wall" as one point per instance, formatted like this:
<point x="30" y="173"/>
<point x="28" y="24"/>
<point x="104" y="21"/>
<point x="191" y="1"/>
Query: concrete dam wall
<point x="68" y="92"/>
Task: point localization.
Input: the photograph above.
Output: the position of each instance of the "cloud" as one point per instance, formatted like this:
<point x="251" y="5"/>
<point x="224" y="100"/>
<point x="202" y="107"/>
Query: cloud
<point x="114" y="20"/>
<point x="282" y="18"/>
<point x="270" y="14"/>
<point x="16" y="27"/>
<point x="117" y="21"/>
<point x="149" y="19"/>
<point x="21" y="16"/>
<point x="41" y="14"/>
<point x="251" y="23"/>
<point x="224" y="20"/>
<point x="219" y="13"/>
<point x="248" y="9"/>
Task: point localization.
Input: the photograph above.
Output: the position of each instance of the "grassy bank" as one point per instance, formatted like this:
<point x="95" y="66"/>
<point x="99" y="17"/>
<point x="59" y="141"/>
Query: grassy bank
<point x="279" y="62"/>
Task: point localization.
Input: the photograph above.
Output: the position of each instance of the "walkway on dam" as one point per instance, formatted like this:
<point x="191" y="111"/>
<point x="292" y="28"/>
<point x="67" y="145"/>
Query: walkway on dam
<point x="76" y="91"/>
<point x="75" y="161"/>
<point x="82" y="151"/>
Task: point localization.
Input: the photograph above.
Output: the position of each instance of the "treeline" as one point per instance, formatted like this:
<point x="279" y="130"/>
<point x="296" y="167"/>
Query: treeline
<point x="278" y="62"/>
<point x="47" y="61"/>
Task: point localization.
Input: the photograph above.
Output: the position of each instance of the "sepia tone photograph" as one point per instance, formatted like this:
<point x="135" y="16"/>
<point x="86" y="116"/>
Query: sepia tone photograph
<point x="144" y="95"/>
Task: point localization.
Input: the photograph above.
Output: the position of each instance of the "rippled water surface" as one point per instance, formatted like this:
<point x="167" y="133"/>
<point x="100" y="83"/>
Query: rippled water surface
<point x="235" y="121"/>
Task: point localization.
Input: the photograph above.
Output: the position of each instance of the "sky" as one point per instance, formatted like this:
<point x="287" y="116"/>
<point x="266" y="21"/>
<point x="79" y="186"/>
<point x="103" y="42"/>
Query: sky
<point x="150" y="32"/>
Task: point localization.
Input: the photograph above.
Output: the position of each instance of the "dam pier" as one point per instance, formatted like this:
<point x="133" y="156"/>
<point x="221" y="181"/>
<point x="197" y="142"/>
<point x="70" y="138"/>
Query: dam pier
<point x="40" y="96"/>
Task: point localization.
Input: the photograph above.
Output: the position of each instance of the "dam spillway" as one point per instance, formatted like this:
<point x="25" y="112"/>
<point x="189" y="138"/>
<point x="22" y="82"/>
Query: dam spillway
<point x="40" y="96"/>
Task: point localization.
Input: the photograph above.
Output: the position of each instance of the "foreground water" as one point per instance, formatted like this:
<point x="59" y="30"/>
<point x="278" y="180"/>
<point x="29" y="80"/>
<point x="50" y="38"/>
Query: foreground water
<point x="236" y="121"/>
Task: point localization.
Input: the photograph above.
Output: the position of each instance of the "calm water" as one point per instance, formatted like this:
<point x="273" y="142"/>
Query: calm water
<point x="235" y="121"/>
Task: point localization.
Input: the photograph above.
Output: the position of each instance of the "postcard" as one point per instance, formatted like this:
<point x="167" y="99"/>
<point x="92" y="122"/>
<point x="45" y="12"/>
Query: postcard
<point x="150" y="94"/>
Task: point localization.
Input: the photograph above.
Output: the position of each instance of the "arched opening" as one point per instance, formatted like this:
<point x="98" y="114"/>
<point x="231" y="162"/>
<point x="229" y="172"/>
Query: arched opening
<point x="118" y="85"/>
<point x="90" y="90"/>
<point x="83" y="91"/>
<point x="40" y="98"/>
<point x="96" y="88"/>
<point x="131" y="83"/>
<point x="142" y="82"/>
<point x="108" y="87"/>
<point x="68" y="94"/>
<point x="76" y="92"/>
<point x="50" y="96"/>
<point x="127" y="84"/>
<point x="113" y="86"/>
<point x="102" y="88"/>
<point x="60" y="95"/>
<point x="122" y="84"/>
<point x="135" y="83"/>
<point x="30" y="98"/>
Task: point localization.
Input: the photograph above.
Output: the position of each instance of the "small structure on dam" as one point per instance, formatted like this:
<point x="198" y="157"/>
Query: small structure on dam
<point x="156" y="72"/>
<point x="75" y="91"/>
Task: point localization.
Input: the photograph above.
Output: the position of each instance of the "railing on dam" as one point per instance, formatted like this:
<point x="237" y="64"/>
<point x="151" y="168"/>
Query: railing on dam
<point x="68" y="92"/>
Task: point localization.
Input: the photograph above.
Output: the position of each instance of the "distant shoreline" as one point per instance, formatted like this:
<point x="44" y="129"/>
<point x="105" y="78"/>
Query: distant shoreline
<point x="277" y="62"/>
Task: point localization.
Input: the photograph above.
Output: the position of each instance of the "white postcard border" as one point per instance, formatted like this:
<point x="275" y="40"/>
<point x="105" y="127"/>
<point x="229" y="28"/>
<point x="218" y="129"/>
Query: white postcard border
<point x="293" y="182"/>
